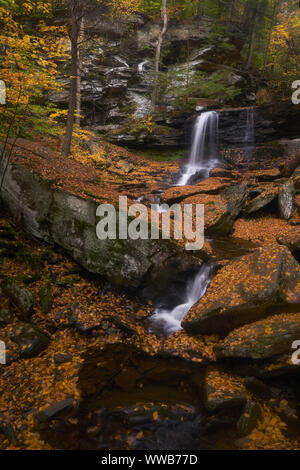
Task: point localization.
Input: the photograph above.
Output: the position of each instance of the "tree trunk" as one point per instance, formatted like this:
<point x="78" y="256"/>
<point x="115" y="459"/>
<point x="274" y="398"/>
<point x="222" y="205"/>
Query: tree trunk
<point x="158" y="53"/>
<point x="245" y="26"/>
<point x="79" y="66"/>
<point x="252" y="38"/>
<point x="76" y="14"/>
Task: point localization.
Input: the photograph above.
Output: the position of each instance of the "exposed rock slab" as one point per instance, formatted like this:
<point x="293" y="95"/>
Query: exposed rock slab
<point x="209" y="186"/>
<point x="244" y="290"/>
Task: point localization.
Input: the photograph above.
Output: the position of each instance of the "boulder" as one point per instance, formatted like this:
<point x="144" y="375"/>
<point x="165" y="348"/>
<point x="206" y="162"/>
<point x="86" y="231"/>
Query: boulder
<point x="221" y="210"/>
<point x="30" y="339"/>
<point x="222" y="391"/>
<point x="286" y="200"/>
<point x="245" y="289"/>
<point x="263" y="339"/>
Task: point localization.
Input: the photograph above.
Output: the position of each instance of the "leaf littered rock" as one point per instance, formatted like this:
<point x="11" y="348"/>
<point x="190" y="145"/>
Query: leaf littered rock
<point x="262" y="339"/>
<point x="245" y="290"/>
<point x="222" y="391"/>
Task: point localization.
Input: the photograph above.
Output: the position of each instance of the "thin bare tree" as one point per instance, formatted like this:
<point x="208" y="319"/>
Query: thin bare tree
<point x="158" y="54"/>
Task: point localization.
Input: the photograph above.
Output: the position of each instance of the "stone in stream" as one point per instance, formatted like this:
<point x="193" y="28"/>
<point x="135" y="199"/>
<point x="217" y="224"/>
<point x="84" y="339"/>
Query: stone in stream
<point x="20" y="296"/>
<point x="222" y="391"/>
<point x="286" y="200"/>
<point x="30" y="339"/>
<point x="262" y="339"/>
<point x="245" y="290"/>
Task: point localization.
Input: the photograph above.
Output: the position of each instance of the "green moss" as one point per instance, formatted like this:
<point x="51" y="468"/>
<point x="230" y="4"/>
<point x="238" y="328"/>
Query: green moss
<point x="163" y="155"/>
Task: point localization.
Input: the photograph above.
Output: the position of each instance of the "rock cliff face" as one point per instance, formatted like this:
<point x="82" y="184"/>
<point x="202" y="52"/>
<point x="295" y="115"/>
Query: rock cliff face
<point x="117" y="81"/>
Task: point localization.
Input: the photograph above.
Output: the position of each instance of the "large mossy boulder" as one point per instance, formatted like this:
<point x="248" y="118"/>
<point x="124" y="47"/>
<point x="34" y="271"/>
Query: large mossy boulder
<point x="69" y="220"/>
<point x="245" y="290"/>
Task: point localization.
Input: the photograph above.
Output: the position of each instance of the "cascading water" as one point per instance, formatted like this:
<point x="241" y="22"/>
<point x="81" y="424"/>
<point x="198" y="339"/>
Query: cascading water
<point x="204" y="147"/>
<point x="169" y="321"/>
<point x="249" y="140"/>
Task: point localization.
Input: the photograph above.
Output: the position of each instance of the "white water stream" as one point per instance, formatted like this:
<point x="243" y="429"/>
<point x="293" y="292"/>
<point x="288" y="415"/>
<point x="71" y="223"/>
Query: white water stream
<point x="169" y="321"/>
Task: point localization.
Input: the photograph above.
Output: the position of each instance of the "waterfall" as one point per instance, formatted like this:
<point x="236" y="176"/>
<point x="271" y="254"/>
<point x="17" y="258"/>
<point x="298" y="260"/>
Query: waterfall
<point x="141" y="65"/>
<point x="249" y="140"/>
<point x="169" y="321"/>
<point x="204" y="147"/>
